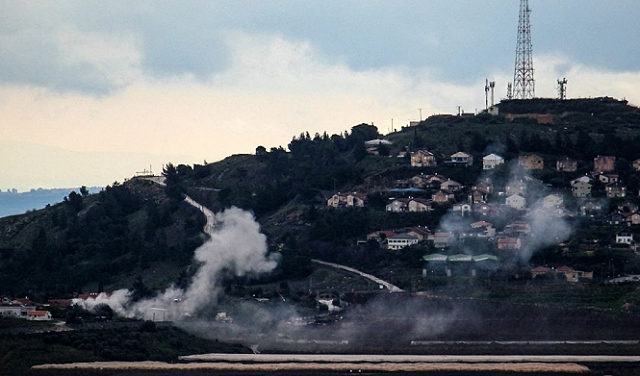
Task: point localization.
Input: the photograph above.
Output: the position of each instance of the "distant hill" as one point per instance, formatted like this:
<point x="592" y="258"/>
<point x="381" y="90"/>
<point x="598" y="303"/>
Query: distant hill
<point x="13" y="202"/>
<point x="138" y="229"/>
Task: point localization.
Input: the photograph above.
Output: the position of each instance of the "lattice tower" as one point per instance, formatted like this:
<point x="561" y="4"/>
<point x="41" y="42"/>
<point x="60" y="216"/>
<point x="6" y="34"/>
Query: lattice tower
<point x="523" y="82"/>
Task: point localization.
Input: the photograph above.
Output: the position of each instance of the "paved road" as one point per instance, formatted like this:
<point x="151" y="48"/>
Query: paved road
<point x="211" y="225"/>
<point x="387" y="285"/>
<point x="211" y="218"/>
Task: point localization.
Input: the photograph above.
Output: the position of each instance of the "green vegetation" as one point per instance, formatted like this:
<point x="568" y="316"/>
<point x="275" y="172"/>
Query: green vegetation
<point x="91" y="241"/>
<point x="140" y="235"/>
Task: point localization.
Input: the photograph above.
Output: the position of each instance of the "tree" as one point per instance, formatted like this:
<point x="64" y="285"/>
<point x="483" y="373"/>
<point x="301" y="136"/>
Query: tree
<point x="74" y="200"/>
<point x="261" y="153"/>
<point x="103" y="310"/>
<point x="361" y="133"/>
<point x="170" y="173"/>
<point x="383" y="150"/>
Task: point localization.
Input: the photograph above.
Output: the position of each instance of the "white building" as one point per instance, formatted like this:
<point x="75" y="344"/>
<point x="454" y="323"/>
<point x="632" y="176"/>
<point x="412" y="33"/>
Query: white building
<point x="552" y="201"/>
<point x="624" y="237"/>
<point x="516" y="202"/>
<point x="400" y="241"/>
<point x="491" y="161"/>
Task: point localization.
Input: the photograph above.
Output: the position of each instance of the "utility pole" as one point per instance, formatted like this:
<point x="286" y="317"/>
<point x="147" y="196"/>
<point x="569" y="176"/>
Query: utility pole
<point x="523" y="82"/>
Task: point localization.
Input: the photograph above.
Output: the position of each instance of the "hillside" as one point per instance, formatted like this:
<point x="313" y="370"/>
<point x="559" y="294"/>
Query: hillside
<point x="138" y="233"/>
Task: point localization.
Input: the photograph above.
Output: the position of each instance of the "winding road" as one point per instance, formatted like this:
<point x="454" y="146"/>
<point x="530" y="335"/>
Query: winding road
<point x="212" y="223"/>
<point x="387" y="285"/>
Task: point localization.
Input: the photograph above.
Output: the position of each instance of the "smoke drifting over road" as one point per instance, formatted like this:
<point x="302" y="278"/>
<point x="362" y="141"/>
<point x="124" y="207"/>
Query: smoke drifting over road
<point x="236" y="248"/>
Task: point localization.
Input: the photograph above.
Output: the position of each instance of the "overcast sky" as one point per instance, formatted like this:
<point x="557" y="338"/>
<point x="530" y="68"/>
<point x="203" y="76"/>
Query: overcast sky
<point x="92" y="92"/>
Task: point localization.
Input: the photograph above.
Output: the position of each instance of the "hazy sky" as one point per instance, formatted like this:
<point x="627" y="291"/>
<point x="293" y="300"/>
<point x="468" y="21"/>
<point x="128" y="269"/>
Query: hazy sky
<point x="92" y="92"/>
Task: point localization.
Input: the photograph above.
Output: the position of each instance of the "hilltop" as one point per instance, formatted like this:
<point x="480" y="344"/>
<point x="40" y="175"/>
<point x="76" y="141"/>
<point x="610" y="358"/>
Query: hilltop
<point x="142" y="236"/>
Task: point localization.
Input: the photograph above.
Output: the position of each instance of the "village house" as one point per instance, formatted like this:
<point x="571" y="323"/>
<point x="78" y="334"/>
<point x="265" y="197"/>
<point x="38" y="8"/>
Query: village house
<point x="632" y="218"/>
<point x="624" y="237"/>
<point x="604" y="164"/>
<point x="614" y="219"/>
<point x="420" y="181"/>
<point x="420" y="232"/>
<point x="581" y="187"/>
<point x="590" y="206"/>
<point x="351" y="200"/>
<point x="567" y="272"/>
<point x="478" y="194"/>
<point x="484" y="183"/>
<point x="400" y="241"/>
<point x="628" y="207"/>
<point x="427" y="181"/>
<point x="517" y="228"/>
<point x="419" y="205"/>
<point x="462" y="209"/>
<point x="552" y="201"/>
<point x="566" y="164"/>
<point x="423" y="158"/>
<point x="39" y="316"/>
<point x="541" y="271"/>
<point x="531" y="162"/>
<point x="436" y="179"/>
<point x="487" y="229"/>
<point x="615" y="190"/>
<point x="516" y="201"/>
<point x="442" y="196"/>
<point x="11" y="309"/>
<point x="607" y="178"/>
<point x="451" y="186"/>
<point x="484" y="208"/>
<point x="573" y="275"/>
<point x="398" y="205"/>
<point x="461" y="159"/>
<point x="507" y="243"/>
<point x="401" y="205"/>
<point x="491" y="161"/>
<point x="442" y="239"/>
<point x="515" y="187"/>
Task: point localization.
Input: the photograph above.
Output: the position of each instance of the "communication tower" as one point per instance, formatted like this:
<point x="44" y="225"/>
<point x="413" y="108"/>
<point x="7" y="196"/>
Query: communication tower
<point x="488" y="87"/>
<point x="523" y="82"/>
<point x="562" y="89"/>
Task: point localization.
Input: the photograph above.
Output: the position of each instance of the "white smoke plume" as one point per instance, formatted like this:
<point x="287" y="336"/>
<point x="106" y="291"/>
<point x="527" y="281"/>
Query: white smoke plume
<point x="236" y="248"/>
<point x="547" y="226"/>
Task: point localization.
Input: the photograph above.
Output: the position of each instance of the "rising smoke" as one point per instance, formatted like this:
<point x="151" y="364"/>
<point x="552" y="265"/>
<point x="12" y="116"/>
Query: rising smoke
<point x="236" y="248"/>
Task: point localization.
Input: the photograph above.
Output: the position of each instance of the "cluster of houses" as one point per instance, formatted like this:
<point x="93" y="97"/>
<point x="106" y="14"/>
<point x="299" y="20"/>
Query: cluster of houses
<point x="23" y="308"/>
<point x="483" y="200"/>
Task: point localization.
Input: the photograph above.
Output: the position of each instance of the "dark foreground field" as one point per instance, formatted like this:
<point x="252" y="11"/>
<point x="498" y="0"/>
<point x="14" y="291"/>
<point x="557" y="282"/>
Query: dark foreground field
<point x="401" y="324"/>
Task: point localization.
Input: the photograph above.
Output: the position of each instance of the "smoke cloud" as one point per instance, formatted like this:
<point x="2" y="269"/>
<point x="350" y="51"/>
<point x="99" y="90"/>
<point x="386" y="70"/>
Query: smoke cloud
<point x="546" y="223"/>
<point x="236" y="248"/>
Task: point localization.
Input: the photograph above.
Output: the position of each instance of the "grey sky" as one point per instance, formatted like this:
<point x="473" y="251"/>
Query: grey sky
<point x="457" y="41"/>
<point x="159" y="81"/>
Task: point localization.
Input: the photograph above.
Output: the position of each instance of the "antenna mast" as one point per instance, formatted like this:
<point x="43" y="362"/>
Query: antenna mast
<point x="523" y="82"/>
<point x="562" y="89"/>
<point x="486" y="94"/>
